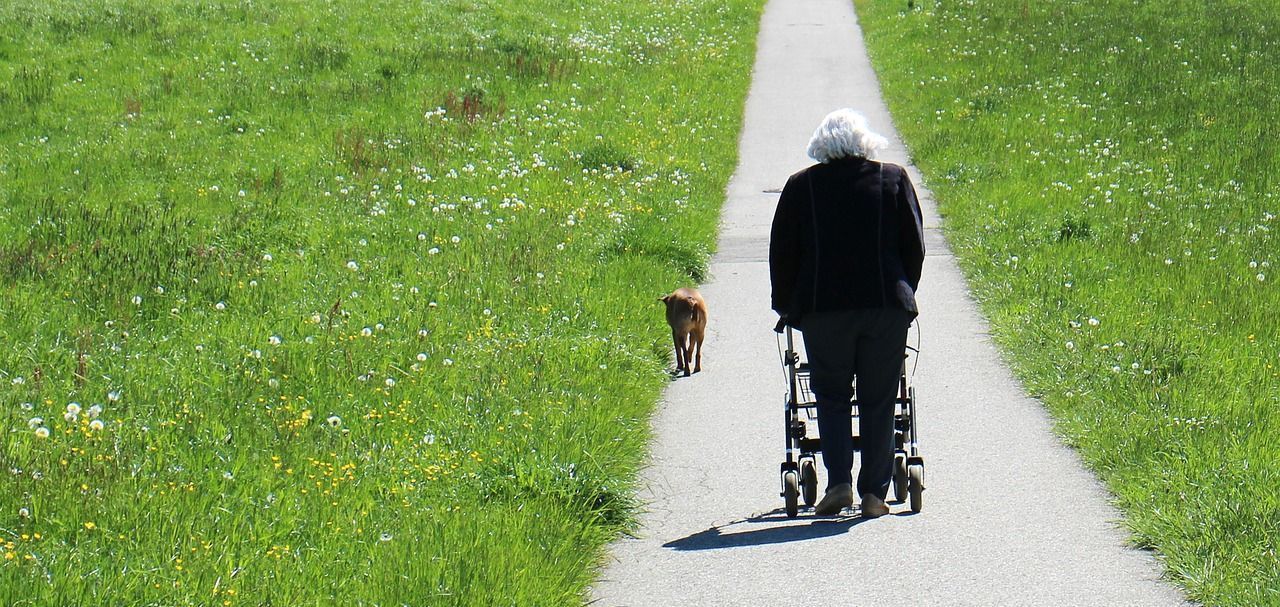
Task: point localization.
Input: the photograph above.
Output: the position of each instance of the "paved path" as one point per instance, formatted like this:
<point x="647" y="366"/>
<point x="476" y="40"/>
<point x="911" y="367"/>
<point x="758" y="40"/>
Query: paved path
<point x="1018" y="521"/>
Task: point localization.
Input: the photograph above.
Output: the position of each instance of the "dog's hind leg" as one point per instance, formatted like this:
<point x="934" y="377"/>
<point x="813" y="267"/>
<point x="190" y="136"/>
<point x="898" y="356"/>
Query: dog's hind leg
<point x="682" y="363"/>
<point x="696" y="339"/>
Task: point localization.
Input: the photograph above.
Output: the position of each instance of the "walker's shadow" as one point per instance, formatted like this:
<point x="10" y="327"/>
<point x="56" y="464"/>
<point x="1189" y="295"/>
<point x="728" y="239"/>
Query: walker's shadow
<point x="799" y="530"/>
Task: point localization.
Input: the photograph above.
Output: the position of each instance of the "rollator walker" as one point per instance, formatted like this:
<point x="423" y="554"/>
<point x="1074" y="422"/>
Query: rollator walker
<point x="800" y="470"/>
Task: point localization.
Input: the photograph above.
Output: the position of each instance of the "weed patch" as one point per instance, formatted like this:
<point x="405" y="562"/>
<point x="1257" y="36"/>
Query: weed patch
<point x="1112" y="203"/>
<point x="343" y="303"/>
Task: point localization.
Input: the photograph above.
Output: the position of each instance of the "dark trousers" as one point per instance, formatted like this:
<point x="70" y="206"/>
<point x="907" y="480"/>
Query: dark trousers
<point x="869" y="345"/>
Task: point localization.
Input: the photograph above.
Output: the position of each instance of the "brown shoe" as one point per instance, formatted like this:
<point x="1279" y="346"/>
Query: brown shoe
<point x="837" y="498"/>
<point x="873" y="507"/>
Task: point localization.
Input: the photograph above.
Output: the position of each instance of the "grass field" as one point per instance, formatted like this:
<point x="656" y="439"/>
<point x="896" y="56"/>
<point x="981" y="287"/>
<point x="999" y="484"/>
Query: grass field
<point x="343" y="303"/>
<point x="1107" y="172"/>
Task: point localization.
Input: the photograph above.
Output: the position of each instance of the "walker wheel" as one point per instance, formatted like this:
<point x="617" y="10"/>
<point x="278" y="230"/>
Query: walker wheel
<point x="915" y="474"/>
<point x="900" y="478"/>
<point x="791" y="492"/>
<point x="809" y="481"/>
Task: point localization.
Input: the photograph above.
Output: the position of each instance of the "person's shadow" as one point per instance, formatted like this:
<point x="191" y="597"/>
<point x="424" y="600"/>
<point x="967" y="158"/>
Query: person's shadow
<point x="770" y="532"/>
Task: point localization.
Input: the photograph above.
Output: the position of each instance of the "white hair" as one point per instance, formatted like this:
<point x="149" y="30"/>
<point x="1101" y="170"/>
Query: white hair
<point x="842" y="134"/>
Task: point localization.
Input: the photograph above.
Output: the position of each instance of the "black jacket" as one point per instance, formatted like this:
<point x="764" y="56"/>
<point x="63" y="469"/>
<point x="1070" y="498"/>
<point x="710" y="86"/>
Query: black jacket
<point x="846" y="235"/>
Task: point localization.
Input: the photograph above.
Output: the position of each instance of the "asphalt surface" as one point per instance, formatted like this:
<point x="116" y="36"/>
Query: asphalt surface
<point x="1010" y="517"/>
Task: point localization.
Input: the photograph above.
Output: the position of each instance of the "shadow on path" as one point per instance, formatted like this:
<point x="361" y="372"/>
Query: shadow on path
<point x="779" y="529"/>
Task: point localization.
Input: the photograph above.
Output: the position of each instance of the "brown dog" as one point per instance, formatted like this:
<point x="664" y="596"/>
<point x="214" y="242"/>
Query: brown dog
<point x="687" y="315"/>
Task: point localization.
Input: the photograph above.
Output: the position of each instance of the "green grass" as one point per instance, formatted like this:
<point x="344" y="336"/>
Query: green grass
<point x="1106" y="170"/>
<point x="365" y="292"/>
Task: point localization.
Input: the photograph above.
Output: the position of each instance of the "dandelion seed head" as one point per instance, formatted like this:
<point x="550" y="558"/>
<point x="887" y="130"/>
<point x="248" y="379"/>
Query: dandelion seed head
<point x="422" y="356"/>
<point x="1093" y="322"/>
<point x="96" y="425"/>
<point x="352" y="265"/>
<point x="73" y="408"/>
<point x="42" y="432"/>
<point x="137" y="300"/>
<point x="334" y="421"/>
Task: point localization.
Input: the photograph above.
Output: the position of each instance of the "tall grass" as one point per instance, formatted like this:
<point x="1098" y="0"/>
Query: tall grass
<point x="1106" y="170"/>
<point x="343" y="303"/>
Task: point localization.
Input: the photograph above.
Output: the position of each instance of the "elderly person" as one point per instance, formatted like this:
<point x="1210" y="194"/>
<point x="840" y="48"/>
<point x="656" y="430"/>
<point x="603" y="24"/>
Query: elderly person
<point x="845" y="254"/>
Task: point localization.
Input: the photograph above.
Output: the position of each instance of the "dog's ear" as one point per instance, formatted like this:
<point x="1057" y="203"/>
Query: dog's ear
<point x="664" y="298"/>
